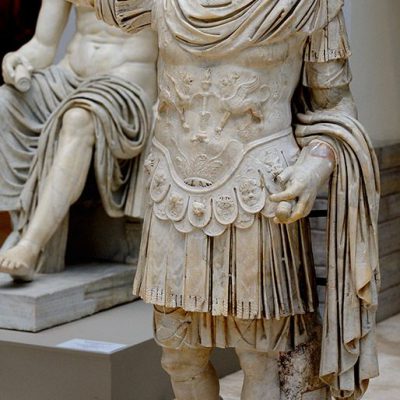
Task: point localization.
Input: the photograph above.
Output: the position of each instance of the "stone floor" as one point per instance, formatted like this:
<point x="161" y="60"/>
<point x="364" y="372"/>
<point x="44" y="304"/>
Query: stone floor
<point x="386" y="387"/>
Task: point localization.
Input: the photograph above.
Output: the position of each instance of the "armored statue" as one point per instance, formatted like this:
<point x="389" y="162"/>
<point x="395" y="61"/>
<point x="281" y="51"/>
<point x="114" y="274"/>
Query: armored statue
<point x="255" y="114"/>
<point x="93" y="108"/>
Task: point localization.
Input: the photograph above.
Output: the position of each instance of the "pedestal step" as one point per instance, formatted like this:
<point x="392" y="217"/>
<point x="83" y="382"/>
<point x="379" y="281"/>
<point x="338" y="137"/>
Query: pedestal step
<point x="122" y="361"/>
<point x="55" y="299"/>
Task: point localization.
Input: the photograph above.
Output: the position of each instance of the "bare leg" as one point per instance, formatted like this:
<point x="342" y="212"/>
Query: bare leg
<point x="63" y="186"/>
<point x="261" y="375"/>
<point x="192" y="375"/>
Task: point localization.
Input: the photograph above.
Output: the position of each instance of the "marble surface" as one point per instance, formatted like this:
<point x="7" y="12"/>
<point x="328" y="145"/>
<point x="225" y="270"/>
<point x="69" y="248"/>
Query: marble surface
<point x="386" y="386"/>
<point x="54" y="299"/>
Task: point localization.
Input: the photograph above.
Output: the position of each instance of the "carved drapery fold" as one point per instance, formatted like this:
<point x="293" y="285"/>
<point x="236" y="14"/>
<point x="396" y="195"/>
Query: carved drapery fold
<point x="349" y="357"/>
<point x="216" y="30"/>
<point x="122" y="117"/>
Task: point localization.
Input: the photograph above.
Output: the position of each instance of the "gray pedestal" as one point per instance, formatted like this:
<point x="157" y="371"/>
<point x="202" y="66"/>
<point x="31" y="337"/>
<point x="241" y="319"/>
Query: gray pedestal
<point x="55" y="299"/>
<point x="34" y="367"/>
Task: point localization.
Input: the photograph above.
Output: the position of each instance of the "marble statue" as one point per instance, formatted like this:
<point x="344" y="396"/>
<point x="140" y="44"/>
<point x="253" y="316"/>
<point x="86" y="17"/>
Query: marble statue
<point x="254" y="115"/>
<point x="95" y="106"/>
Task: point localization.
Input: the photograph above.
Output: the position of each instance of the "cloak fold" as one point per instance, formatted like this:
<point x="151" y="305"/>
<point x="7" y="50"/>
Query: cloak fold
<point x="349" y="357"/>
<point x="31" y="124"/>
<point x="216" y="30"/>
<point x="122" y="120"/>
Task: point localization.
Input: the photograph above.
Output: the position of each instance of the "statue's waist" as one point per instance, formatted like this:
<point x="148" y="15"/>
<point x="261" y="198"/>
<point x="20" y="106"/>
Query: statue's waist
<point x="237" y="181"/>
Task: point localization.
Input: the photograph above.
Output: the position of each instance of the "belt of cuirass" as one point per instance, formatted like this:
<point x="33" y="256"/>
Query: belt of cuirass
<point x="241" y="192"/>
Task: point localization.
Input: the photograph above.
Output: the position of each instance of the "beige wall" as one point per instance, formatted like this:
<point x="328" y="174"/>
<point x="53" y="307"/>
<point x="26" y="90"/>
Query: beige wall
<point x="374" y="28"/>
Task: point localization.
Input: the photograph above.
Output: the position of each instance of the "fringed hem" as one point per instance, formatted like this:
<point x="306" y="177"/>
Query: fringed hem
<point x="178" y="328"/>
<point x="220" y="307"/>
<point x="262" y="272"/>
<point x="330" y="43"/>
<point x="325" y="55"/>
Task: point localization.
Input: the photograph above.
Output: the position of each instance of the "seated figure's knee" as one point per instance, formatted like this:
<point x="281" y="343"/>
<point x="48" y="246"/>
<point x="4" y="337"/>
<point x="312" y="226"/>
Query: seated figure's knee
<point x="185" y="364"/>
<point x="78" y="123"/>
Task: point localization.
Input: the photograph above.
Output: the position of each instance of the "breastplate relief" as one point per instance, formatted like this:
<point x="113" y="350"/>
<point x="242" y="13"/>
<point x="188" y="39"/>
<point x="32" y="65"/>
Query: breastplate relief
<point x="221" y="138"/>
<point x="209" y="120"/>
<point x="206" y="107"/>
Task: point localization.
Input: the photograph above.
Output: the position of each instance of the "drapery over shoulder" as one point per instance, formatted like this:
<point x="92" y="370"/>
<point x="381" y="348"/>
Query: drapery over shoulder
<point x="129" y="15"/>
<point x="349" y="357"/>
<point x="201" y="27"/>
<point x="216" y="30"/>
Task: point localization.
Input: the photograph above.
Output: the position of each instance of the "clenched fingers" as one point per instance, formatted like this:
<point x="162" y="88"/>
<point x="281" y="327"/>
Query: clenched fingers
<point x="284" y="177"/>
<point x="290" y="193"/>
<point x="302" y="208"/>
<point x="283" y="212"/>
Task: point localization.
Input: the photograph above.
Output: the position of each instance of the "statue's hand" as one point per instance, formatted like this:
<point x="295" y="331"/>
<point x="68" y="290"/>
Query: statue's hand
<point x="302" y="182"/>
<point x="16" y="69"/>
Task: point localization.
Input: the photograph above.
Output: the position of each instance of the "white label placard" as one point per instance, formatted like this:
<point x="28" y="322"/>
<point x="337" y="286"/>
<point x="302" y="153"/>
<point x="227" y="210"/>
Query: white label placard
<point x="92" y="346"/>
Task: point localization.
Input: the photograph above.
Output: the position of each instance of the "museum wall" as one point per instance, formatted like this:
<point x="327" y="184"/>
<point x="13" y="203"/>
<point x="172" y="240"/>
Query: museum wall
<point x="374" y="30"/>
<point x="17" y="23"/>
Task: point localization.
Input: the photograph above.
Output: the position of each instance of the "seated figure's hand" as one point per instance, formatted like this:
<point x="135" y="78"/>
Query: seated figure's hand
<point x="17" y="70"/>
<point x="302" y="182"/>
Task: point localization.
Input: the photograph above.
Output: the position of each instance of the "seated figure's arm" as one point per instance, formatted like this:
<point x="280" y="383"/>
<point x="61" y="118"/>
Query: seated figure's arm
<point x="40" y="51"/>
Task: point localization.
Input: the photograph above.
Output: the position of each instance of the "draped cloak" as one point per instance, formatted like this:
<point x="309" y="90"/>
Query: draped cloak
<point x="216" y="28"/>
<point x="30" y="126"/>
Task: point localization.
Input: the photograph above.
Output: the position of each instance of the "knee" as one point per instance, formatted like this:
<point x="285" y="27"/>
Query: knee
<point x="185" y="364"/>
<point x="255" y="364"/>
<point x="78" y="123"/>
<point x="77" y="118"/>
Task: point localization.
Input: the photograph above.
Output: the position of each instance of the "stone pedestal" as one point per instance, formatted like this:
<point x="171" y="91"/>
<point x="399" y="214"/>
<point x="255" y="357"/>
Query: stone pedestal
<point x="55" y="299"/>
<point x="37" y="366"/>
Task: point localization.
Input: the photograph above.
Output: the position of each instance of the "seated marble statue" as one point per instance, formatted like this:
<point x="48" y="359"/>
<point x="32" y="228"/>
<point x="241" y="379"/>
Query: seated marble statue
<point x="93" y="108"/>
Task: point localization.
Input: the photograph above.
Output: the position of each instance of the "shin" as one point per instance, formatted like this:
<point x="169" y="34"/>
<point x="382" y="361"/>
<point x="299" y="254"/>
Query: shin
<point x="192" y="375"/>
<point x="261" y="376"/>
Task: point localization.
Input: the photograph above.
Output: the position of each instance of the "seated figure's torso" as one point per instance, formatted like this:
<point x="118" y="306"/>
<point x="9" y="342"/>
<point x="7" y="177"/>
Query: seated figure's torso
<point x="98" y="49"/>
<point x="212" y="109"/>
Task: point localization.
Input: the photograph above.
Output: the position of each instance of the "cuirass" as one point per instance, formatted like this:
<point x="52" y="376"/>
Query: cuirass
<point x="223" y="133"/>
